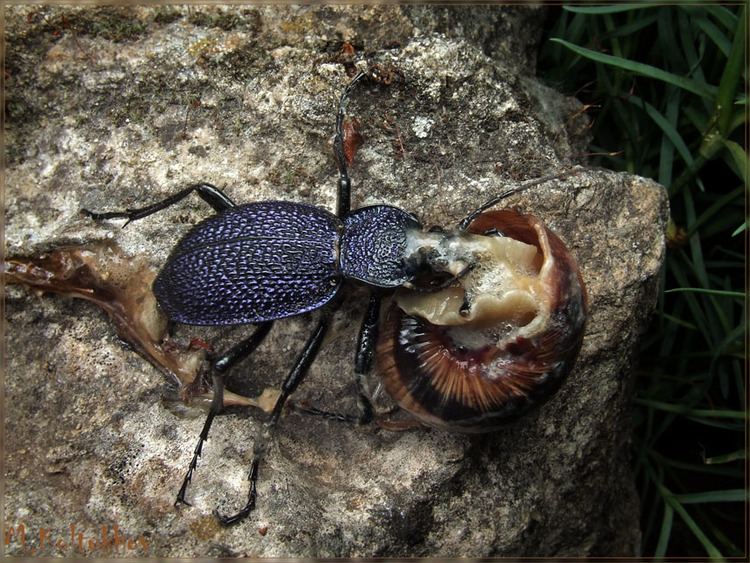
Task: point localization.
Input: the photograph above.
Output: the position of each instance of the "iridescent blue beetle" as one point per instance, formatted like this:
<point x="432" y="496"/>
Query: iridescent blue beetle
<point x="264" y="261"/>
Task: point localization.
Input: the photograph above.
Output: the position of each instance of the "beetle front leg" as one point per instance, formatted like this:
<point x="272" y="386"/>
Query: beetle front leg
<point x="220" y="367"/>
<point x="292" y="381"/>
<point x="209" y="193"/>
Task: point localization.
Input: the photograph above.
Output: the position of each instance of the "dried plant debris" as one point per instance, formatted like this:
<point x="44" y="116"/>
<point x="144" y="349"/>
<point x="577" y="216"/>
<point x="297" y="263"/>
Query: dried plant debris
<point x="121" y="286"/>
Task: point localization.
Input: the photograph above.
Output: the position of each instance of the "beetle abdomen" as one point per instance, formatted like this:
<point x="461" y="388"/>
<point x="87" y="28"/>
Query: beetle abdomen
<point x="252" y="263"/>
<point x="475" y="376"/>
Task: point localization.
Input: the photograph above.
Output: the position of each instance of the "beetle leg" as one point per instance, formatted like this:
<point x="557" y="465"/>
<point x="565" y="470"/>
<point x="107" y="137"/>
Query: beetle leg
<point x="368" y="336"/>
<point x="345" y="185"/>
<point x="207" y="192"/>
<point x="242" y="350"/>
<point x="304" y="408"/>
<point x="216" y="405"/>
<point x="292" y="381"/>
<point x="299" y="371"/>
<point x="220" y="367"/>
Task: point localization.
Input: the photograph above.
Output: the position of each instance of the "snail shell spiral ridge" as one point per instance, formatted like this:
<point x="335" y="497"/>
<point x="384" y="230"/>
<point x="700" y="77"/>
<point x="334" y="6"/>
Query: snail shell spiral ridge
<point x="475" y="378"/>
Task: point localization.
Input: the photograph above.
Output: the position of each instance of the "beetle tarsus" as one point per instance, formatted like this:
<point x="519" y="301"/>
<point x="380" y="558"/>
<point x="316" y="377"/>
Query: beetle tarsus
<point x="304" y="408"/>
<point x="217" y="403"/>
<point x="181" y="495"/>
<point x="249" y="505"/>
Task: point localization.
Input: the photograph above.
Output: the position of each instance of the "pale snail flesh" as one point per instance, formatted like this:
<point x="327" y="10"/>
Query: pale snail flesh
<point x="481" y="352"/>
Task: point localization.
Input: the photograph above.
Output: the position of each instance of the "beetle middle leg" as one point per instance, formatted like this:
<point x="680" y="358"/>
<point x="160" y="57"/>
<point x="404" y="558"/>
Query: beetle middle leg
<point x="292" y="381"/>
<point x="209" y="193"/>
<point x="363" y="358"/>
<point x="368" y="336"/>
<point x="220" y="367"/>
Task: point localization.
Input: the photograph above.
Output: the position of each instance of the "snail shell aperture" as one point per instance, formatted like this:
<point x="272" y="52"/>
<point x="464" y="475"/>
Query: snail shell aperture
<point x="473" y="356"/>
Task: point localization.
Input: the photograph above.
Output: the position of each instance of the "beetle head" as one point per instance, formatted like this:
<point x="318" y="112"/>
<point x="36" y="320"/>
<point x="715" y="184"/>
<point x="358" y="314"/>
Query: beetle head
<point x="436" y="259"/>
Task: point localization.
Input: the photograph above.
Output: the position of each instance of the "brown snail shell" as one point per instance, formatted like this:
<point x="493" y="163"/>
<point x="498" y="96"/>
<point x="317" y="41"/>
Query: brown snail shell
<point x="475" y="374"/>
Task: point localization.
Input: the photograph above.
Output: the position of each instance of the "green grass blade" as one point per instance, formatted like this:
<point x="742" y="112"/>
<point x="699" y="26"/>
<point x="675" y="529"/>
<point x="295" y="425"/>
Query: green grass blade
<point x="718" y="205"/>
<point x="732" y="341"/>
<point x="680" y="322"/>
<point x="726" y="458"/>
<point x="713" y="423"/>
<point x="710" y="548"/>
<point x="728" y="495"/>
<point x="715" y="34"/>
<point x="666" y="156"/>
<point x="735" y="294"/>
<point x="730" y="78"/>
<point x="738" y="161"/>
<point x="723" y="15"/>
<point x="740" y="117"/>
<point x="700" y="88"/>
<point x="676" y="268"/>
<point x="688" y="53"/>
<point x="705" y="467"/>
<point x="688" y="410"/>
<point x="665" y="532"/>
<point x="696" y="248"/>
<point x="740" y="229"/>
<point x="666" y="125"/>
<point x="630" y="28"/>
<point x="599" y="10"/>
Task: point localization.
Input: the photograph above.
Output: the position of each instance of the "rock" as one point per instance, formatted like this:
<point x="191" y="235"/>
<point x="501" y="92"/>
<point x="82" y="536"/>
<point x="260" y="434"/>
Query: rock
<point x="115" y="107"/>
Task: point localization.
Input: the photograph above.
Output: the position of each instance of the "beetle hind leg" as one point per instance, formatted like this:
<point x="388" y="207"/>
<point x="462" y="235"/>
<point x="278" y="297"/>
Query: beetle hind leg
<point x="220" y="366"/>
<point x="292" y="381"/>
<point x="216" y="405"/>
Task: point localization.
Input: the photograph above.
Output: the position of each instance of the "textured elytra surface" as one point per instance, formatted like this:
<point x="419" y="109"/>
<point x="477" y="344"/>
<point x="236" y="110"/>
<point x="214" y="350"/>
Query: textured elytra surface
<point x="245" y="98"/>
<point x="252" y="263"/>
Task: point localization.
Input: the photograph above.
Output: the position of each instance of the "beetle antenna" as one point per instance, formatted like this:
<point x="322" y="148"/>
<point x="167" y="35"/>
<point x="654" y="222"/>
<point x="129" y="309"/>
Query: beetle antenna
<point x="466" y="221"/>
<point x="345" y="184"/>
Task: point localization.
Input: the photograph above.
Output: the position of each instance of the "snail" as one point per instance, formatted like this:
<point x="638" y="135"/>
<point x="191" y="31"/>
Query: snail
<point x="477" y="354"/>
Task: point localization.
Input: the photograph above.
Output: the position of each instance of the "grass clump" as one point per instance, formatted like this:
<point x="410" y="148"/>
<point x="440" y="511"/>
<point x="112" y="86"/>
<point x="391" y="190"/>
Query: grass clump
<point x="666" y="87"/>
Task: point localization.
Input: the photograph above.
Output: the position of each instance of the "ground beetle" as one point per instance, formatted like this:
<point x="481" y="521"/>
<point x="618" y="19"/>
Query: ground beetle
<point x="263" y="261"/>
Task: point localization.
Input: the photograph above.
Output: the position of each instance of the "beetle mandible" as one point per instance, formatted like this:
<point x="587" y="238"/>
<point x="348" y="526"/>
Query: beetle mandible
<point x="260" y="262"/>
